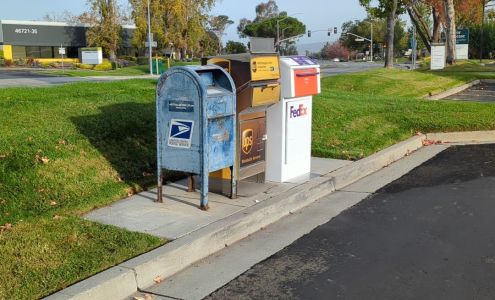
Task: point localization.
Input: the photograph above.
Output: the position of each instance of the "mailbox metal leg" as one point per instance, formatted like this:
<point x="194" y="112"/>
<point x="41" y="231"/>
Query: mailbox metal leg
<point x="204" y="191"/>
<point x="191" y="184"/>
<point x="233" y="188"/>
<point x="159" y="193"/>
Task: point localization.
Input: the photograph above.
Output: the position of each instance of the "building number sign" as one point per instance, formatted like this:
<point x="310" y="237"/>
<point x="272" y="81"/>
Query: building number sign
<point x="26" y="30"/>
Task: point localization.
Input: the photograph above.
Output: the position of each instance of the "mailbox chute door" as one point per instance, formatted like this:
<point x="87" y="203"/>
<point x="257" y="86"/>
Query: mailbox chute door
<point x="306" y="82"/>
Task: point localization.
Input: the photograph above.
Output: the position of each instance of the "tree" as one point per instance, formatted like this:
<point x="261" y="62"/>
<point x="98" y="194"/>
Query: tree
<point x="218" y="24"/>
<point x="209" y="44"/>
<point x="335" y="50"/>
<point x="180" y="24"/>
<point x="235" y="47"/>
<point x="389" y="9"/>
<point x="105" y="30"/>
<point x="242" y="26"/>
<point x="451" y="30"/>
<point x="467" y="13"/>
<point x="265" y="25"/>
<point x="266" y="10"/>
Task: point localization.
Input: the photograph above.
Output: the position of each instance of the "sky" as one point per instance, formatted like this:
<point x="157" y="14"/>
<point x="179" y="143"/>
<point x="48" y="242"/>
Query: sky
<point x="316" y="14"/>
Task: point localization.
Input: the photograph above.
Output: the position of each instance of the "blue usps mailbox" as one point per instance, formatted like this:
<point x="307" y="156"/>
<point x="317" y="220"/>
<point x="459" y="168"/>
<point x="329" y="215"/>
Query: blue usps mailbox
<point x="196" y="124"/>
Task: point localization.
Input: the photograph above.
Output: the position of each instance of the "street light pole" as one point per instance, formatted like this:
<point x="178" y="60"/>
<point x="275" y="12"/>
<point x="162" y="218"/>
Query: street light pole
<point x="278" y="29"/>
<point x="371" y="41"/>
<point x="150" y="40"/>
<point x="371" y="50"/>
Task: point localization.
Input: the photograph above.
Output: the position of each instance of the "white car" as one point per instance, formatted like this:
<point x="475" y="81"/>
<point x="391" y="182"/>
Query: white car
<point x="336" y="60"/>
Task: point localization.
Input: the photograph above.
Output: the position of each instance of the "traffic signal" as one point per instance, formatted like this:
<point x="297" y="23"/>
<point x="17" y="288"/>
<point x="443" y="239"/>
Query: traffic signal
<point x="309" y="33"/>
<point x="329" y="32"/>
<point x="335" y="30"/>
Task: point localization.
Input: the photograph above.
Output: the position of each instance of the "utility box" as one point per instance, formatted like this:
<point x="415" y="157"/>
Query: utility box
<point x="257" y="79"/>
<point x="196" y="124"/>
<point x="290" y="121"/>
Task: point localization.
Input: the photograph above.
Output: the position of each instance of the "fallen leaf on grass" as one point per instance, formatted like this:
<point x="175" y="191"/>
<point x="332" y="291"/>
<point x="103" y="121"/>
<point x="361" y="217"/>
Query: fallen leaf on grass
<point x="45" y="160"/>
<point x="6" y="227"/>
<point x="57" y="217"/>
<point x="53" y="203"/>
<point x="62" y="142"/>
<point x="157" y="279"/>
<point x="2" y="156"/>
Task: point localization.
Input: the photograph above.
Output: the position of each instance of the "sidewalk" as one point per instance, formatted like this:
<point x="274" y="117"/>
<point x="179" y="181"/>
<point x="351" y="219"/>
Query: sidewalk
<point x="179" y="214"/>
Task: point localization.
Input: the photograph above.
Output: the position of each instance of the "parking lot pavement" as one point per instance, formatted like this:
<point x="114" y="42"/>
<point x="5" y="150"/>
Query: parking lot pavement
<point x="483" y="92"/>
<point x="428" y="235"/>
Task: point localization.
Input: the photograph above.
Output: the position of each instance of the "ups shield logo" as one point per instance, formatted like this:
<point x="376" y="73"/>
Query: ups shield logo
<point x="247" y="141"/>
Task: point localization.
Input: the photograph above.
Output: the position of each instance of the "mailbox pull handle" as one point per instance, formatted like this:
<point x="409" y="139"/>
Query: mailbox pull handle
<point x="307" y="74"/>
<point x="267" y="85"/>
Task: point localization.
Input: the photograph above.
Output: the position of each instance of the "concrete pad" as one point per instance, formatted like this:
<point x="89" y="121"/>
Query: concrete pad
<point x="181" y="253"/>
<point x="231" y="262"/>
<point x="321" y="166"/>
<point x="179" y="214"/>
<point x="375" y="181"/>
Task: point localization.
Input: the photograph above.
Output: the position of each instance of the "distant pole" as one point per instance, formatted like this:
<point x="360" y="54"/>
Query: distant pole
<point x="414" y="46"/>
<point x="63" y="71"/>
<point x="149" y="40"/>
<point x="278" y="36"/>
<point x="371" y="41"/>
<point x="482" y="32"/>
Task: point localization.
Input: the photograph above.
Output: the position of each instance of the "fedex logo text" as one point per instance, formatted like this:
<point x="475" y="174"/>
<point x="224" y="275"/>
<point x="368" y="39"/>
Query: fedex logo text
<point x="298" y="112"/>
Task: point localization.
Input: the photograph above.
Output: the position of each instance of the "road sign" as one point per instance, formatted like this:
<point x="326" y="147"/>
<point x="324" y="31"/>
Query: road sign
<point x="61" y="51"/>
<point x="462" y="36"/>
<point x="359" y="40"/>
<point x="154" y="44"/>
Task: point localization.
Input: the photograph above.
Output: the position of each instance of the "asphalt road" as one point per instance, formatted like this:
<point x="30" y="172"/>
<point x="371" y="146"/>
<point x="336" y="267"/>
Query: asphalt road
<point x="428" y="235"/>
<point x="484" y="92"/>
<point x="330" y="68"/>
<point x="27" y="78"/>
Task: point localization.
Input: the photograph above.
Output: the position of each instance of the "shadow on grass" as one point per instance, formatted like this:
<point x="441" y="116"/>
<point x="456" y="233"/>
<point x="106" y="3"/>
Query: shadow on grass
<point x="125" y="134"/>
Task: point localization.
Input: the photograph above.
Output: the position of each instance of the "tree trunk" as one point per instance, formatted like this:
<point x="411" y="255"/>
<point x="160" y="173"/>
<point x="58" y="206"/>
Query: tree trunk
<point x="451" y="30"/>
<point x="425" y="36"/>
<point x="389" y="55"/>
<point x="437" y="28"/>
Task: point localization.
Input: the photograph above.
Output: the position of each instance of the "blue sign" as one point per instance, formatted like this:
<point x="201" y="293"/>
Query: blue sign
<point x="462" y="36"/>
<point x="180" y="133"/>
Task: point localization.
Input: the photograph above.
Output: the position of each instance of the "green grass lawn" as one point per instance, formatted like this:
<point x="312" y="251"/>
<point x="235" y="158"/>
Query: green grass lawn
<point x="64" y="151"/>
<point x="129" y="71"/>
<point x="68" y="149"/>
<point x="361" y="113"/>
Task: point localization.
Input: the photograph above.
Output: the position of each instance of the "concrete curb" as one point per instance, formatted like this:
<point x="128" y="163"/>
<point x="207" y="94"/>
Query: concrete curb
<point x="140" y="272"/>
<point x="375" y="162"/>
<point x="453" y="91"/>
<point x="463" y="137"/>
<point x="114" y="283"/>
